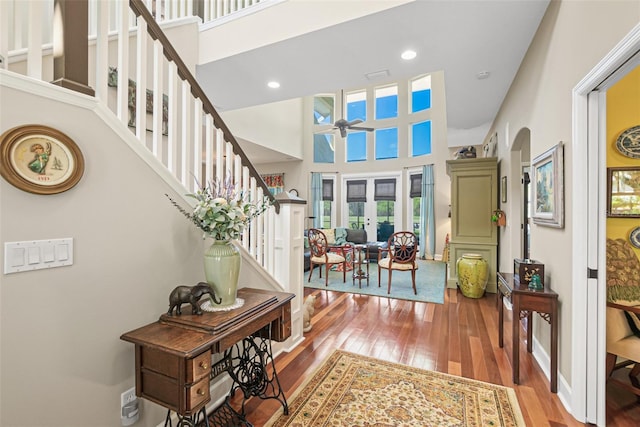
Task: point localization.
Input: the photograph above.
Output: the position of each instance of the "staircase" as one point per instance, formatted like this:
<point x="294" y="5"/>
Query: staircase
<point x="156" y="95"/>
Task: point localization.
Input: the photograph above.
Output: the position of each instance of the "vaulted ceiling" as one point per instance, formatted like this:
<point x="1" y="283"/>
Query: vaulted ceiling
<point x="464" y="39"/>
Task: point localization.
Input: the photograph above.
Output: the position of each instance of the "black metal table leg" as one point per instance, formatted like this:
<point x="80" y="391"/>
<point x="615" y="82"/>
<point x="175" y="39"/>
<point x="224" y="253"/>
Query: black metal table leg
<point x="251" y="366"/>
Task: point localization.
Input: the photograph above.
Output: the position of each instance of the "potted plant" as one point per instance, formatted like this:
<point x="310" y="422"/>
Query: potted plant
<point x="499" y="218"/>
<point x="222" y="212"/>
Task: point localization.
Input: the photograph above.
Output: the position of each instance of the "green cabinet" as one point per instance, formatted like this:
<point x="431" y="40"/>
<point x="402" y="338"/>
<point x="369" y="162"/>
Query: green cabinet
<point x="474" y="197"/>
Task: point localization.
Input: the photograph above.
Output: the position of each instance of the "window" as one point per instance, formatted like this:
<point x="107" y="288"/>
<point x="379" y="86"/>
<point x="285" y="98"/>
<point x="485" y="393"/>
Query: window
<point x="356" y="146"/>
<point x="421" y="94"/>
<point x="357" y="106"/>
<point x="327" y="202"/>
<point x="323" y="148"/>
<point x="385" y="195"/>
<point x="323" y="107"/>
<point x="386" y="102"/>
<point x="356" y="198"/>
<point x="415" y="192"/>
<point x="421" y="138"/>
<point x="386" y="143"/>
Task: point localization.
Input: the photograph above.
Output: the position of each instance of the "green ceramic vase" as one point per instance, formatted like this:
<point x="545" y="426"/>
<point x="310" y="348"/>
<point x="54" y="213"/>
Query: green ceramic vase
<point x="221" y="269"/>
<point x="473" y="273"/>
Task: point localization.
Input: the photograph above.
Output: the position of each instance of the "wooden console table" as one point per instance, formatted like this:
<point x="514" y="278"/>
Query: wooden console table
<point x="173" y="356"/>
<point x="526" y="301"/>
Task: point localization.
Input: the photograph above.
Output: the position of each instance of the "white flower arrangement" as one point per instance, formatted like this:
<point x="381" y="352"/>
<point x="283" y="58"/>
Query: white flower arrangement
<point x="221" y="211"/>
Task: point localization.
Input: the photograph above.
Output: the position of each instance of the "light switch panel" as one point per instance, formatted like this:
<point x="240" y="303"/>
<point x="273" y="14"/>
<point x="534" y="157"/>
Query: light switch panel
<point x="37" y="254"/>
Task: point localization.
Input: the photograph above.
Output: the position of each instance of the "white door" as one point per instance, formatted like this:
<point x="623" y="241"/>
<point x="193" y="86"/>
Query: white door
<point x="373" y="203"/>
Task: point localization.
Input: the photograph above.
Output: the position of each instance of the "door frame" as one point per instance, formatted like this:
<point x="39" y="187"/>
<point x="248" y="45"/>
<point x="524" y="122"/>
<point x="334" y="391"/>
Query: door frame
<point x="589" y="165"/>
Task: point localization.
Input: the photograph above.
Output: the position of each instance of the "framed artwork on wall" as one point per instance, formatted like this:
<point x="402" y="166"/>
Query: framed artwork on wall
<point x="40" y="159"/>
<point x="548" y="187"/>
<point x="623" y="192"/>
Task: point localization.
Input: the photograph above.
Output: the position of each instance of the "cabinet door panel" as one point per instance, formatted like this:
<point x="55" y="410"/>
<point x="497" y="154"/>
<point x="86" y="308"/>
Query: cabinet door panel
<point x="474" y="207"/>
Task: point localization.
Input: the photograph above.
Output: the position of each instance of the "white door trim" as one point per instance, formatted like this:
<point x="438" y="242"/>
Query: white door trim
<point x="585" y="370"/>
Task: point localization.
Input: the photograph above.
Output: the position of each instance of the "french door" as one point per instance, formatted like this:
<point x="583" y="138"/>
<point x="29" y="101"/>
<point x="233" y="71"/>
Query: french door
<point x="372" y="203"/>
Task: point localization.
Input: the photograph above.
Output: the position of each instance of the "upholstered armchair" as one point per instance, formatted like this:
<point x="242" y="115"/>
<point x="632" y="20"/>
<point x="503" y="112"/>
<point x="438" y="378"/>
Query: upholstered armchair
<point x="400" y="255"/>
<point x="321" y="255"/>
<point x="623" y="312"/>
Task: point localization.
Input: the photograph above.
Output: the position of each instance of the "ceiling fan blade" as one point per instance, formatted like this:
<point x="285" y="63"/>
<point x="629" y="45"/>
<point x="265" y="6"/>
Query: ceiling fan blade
<point x="354" y="122"/>
<point x="361" y="128"/>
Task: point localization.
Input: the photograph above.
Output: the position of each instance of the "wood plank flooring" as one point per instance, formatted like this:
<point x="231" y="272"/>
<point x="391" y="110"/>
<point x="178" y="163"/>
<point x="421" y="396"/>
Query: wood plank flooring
<point x="458" y="337"/>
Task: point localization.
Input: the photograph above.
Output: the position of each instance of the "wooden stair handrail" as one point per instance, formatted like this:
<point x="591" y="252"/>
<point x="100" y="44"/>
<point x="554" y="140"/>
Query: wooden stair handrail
<point x="170" y="53"/>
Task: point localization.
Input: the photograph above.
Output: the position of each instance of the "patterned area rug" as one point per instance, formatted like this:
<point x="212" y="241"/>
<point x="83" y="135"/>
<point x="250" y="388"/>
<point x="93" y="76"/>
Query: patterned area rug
<point x="352" y="390"/>
<point x="430" y="282"/>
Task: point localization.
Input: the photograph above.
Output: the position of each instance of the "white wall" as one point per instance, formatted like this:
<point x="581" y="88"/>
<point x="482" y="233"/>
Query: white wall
<point x="62" y="362"/>
<point x="277" y="126"/>
<point x="572" y="39"/>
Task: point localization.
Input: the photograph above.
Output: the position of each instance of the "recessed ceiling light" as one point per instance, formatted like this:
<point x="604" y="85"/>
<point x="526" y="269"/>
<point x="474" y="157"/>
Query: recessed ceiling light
<point x="273" y="85"/>
<point x="408" y="54"/>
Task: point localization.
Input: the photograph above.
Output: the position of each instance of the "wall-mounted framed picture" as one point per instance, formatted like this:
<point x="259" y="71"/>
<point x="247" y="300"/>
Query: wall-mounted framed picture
<point x="40" y="159"/>
<point x="623" y="192"/>
<point x="548" y="187"/>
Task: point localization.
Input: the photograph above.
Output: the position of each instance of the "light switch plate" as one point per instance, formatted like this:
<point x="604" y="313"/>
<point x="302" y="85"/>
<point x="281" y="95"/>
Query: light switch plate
<point x="37" y="254"/>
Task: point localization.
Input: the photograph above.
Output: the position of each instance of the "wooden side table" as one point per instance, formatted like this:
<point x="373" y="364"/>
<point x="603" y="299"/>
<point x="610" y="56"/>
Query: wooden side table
<point x="526" y="301"/>
<point x="358" y="264"/>
<point x="173" y="357"/>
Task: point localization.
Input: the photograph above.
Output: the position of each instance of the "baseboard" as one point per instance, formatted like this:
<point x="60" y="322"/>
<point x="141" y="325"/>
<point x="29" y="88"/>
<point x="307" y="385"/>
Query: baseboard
<point x="544" y="361"/>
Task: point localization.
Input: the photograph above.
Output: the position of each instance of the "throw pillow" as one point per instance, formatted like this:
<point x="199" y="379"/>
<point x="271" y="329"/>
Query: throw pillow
<point x="306" y="242"/>
<point x="330" y="235"/>
<point x="634" y="322"/>
<point x="341" y="235"/>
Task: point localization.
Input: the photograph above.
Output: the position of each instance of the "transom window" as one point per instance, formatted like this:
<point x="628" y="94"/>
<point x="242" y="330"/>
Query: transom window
<point x="420" y="94"/>
<point x="386" y="102"/>
<point x="411" y="121"/>
<point x="357" y="106"/>
<point x="387" y="143"/>
<point x="421" y="138"/>
<point x="323" y="108"/>
<point x="356" y="146"/>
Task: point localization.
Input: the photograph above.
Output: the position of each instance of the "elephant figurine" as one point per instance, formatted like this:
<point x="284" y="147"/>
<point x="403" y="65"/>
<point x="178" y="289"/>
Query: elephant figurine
<point x="190" y="294"/>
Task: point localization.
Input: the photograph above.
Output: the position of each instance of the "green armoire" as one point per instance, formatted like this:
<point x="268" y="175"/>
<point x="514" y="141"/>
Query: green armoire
<point x="474" y="197"/>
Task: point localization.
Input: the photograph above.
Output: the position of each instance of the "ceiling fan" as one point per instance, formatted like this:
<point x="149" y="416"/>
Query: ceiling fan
<point x="344" y="125"/>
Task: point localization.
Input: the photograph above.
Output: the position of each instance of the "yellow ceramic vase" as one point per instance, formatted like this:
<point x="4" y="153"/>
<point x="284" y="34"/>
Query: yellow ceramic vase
<point x="473" y="273"/>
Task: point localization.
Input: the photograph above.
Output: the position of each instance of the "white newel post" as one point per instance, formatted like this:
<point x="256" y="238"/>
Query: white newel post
<point x="289" y="256"/>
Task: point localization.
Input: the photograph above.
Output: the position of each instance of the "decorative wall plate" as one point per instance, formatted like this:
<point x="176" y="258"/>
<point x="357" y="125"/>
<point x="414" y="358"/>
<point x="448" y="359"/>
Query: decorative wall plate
<point x="40" y="159"/>
<point x="628" y="143"/>
<point x="634" y="237"/>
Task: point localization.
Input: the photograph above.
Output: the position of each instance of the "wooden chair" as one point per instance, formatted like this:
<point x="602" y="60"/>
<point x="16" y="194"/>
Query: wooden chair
<point x="400" y="254"/>
<point x="321" y="255"/>
<point x="623" y="295"/>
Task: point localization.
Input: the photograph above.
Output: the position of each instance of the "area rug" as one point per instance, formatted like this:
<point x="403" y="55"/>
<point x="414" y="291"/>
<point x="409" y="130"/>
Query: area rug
<point x="430" y="282"/>
<point x="352" y="390"/>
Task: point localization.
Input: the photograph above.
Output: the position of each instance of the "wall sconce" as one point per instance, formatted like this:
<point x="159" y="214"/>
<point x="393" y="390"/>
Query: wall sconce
<point x="449" y="215"/>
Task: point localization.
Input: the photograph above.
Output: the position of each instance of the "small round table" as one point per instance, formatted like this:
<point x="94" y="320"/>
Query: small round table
<point x="358" y="263"/>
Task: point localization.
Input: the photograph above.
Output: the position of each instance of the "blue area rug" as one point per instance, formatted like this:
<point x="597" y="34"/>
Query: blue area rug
<point x="430" y="282"/>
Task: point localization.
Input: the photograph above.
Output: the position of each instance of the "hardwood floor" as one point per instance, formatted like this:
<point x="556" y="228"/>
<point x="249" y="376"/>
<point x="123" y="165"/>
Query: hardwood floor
<point x="458" y="337"/>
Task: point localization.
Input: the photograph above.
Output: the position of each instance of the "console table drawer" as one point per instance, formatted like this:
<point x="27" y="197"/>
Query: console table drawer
<point x="197" y="394"/>
<point x="199" y="367"/>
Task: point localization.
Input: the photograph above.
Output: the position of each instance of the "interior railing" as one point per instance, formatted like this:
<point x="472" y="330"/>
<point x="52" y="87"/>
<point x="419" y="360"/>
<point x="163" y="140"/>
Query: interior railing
<point x="139" y="75"/>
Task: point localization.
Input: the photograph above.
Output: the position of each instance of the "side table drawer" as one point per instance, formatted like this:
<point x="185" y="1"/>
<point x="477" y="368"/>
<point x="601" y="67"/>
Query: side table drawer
<point x="504" y="288"/>
<point x="181" y="385"/>
<point x="197" y="394"/>
<point x="199" y="367"/>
